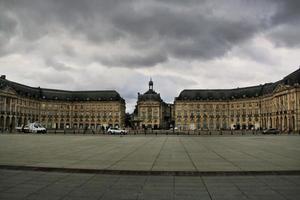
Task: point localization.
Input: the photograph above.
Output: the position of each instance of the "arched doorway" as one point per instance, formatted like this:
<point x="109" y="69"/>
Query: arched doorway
<point x="244" y="126"/>
<point x="205" y="122"/>
<point x="211" y="123"/>
<point x="293" y="123"/>
<point x="285" y="123"/>
<point x="1" y="123"/>
<point x="224" y="126"/>
<point x="218" y="123"/>
<point x="62" y="124"/>
<point x="13" y="123"/>
<point x="7" y="123"/>
<point x="19" y="121"/>
<point x="25" y="121"/>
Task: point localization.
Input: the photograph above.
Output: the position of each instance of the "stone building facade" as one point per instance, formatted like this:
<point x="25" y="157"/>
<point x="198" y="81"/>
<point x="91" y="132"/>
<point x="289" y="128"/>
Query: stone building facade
<point x="20" y="104"/>
<point x="151" y="111"/>
<point x="272" y="105"/>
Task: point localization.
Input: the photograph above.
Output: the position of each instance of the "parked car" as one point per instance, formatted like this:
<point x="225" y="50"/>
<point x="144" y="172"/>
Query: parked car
<point x="19" y="128"/>
<point x="23" y="128"/>
<point x="115" y="131"/>
<point x="271" y="131"/>
<point x="32" y="128"/>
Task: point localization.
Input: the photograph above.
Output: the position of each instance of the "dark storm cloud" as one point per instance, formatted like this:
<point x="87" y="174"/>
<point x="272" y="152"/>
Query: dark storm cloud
<point x="8" y="27"/>
<point x="286" y="24"/>
<point x="286" y="36"/>
<point x="184" y="33"/>
<point x="287" y="11"/>
<point x="197" y="30"/>
<point x="135" y="61"/>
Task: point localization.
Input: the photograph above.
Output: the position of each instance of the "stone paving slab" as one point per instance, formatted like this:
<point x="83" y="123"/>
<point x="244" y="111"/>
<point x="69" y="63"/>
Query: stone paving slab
<point x="153" y="153"/>
<point x="21" y="185"/>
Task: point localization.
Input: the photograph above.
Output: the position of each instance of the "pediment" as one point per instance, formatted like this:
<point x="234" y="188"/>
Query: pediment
<point x="9" y="90"/>
<point x="280" y="88"/>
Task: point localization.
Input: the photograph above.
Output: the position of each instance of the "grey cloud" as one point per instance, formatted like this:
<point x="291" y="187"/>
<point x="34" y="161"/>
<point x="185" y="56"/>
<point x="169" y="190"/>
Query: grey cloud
<point x="285" y="31"/>
<point x="58" y="66"/>
<point x="135" y="61"/>
<point x="69" y="50"/>
<point x="254" y="52"/>
<point x="156" y="31"/>
<point x="47" y="78"/>
<point x="191" y="30"/>
<point x="185" y="34"/>
<point x="8" y="26"/>
<point x="287" y="11"/>
<point x="286" y="35"/>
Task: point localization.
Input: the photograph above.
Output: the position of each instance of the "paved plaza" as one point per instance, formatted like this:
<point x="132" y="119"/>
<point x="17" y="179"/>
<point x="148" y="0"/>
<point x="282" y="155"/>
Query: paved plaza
<point x="153" y="153"/>
<point x="32" y="185"/>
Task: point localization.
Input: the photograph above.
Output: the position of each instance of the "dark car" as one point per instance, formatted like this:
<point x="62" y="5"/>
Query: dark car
<point x="271" y="131"/>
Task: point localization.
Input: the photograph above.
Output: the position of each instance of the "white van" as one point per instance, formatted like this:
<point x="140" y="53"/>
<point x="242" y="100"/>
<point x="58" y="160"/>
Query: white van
<point x="36" y="128"/>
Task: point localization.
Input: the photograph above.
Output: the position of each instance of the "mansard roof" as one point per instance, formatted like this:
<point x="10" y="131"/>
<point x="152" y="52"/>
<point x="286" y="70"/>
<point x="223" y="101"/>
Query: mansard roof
<point x="65" y="95"/>
<point x="150" y="95"/>
<point x="238" y="93"/>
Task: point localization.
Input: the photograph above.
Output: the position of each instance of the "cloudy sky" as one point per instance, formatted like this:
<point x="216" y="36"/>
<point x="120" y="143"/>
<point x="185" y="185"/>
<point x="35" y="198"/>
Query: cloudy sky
<point x="120" y="44"/>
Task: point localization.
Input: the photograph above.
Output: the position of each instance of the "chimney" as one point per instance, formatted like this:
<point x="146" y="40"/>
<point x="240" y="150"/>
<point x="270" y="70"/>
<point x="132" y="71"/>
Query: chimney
<point x="3" y="76"/>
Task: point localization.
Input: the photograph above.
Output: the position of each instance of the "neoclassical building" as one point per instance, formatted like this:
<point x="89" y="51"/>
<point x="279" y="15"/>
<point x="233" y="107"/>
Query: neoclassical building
<point x="271" y="105"/>
<point x="151" y="111"/>
<point x="20" y="104"/>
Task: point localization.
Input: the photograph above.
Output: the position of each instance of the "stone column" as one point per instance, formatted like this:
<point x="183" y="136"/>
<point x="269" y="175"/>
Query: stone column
<point x="5" y="99"/>
<point x="10" y="104"/>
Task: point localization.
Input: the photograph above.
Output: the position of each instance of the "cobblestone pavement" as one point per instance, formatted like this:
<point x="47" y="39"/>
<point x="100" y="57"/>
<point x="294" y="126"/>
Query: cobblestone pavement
<point x="152" y="153"/>
<point x="32" y="185"/>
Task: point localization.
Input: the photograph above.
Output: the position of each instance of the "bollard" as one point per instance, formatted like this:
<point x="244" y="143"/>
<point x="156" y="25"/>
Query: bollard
<point x="231" y="132"/>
